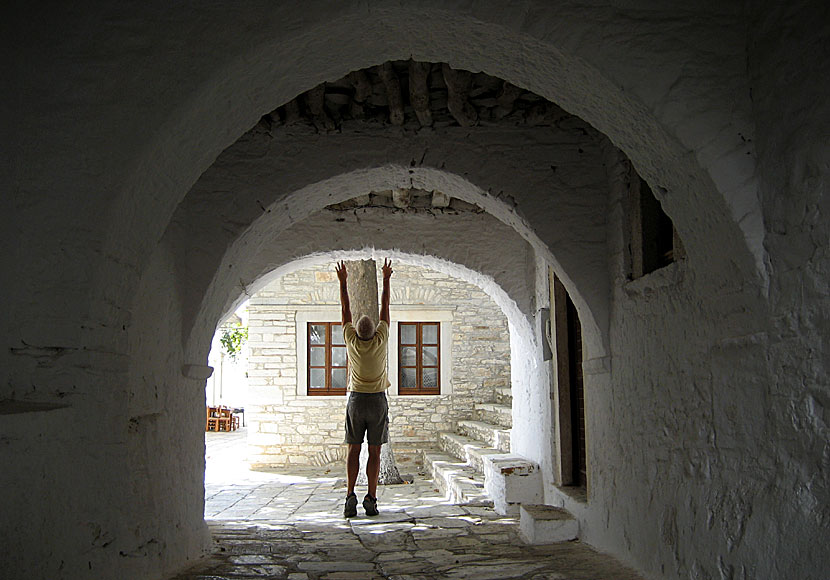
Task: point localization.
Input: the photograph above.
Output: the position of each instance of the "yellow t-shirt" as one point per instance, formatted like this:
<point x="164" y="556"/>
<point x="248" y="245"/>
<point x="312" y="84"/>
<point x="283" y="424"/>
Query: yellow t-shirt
<point x="367" y="359"/>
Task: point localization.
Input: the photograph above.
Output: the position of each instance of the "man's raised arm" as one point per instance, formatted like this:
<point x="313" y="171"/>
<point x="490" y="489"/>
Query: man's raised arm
<point x="384" y="297"/>
<point x="346" y="309"/>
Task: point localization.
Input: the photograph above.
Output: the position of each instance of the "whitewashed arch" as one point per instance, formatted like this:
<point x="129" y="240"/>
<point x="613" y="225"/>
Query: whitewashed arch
<point x="701" y="171"/>
<point x="499" y="259"/>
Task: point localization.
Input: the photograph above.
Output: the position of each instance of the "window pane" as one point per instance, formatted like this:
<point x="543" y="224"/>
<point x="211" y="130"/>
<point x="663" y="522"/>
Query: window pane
<point x="338" y="356"/>
<point x="337" y="334"/>
<point x="430" y="334"/>
<point x="430" y="378"/>
<point x="408" y="333"/>
<point x="317" y="379"/>
<point x="318" y="356"/>
<point x="317" y="334"/>
<point x="430" y="356"/>
<point x="408" y="356"/>
<point x="338" y="378"/>
<point x="408" y="379"/>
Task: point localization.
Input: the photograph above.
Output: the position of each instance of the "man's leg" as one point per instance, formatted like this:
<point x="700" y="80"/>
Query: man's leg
<point x="370" y="502"/>
<point x="354" y="437"/>
<point x="353" y="466"/>
<point x="373" y="469"/>
<point x="377" y="435"/>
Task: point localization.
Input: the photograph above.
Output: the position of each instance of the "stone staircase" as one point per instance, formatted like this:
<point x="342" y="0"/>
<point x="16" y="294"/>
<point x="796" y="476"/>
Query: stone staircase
<point x="474" y="465"/>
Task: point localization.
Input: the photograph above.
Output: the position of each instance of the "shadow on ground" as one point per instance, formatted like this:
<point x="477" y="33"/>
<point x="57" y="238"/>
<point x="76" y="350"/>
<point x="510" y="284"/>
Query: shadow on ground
<point x="290" y="525"/>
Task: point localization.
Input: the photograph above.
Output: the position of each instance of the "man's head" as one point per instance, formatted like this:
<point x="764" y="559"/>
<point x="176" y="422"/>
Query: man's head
<point x="365" y="329"/>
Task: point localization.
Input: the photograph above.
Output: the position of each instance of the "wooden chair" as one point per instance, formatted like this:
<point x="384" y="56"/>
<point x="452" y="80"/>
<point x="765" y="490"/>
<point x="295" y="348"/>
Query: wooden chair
<point x="237" y="412"/>
<point x="211" y="421"/>
<point x="224" y="419"/>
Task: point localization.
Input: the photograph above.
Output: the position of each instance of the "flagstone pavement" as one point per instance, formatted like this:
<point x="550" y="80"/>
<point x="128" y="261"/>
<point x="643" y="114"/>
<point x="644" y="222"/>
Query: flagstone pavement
<point x="289" y="525"/>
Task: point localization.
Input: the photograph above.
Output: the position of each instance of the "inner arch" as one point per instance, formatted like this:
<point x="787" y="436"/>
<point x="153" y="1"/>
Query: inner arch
<point x="515" y="317"/>
<point x="281" y="234"/>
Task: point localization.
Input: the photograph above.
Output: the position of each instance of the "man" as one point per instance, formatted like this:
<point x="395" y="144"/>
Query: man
<point x="367" y="411"/>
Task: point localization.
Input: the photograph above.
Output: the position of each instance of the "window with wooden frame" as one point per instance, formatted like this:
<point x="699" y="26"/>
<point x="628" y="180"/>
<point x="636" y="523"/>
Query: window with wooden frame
<point x="327" y="361"/>
<point x="419" y="358"/>
<point x="654" y="242"/>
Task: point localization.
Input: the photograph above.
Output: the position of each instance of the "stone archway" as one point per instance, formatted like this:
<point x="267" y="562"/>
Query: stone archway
<point x="500" y="271"/>
<point x="273" y="240"/>
<point x="708" y="193"/>
<point x="669" y="87"/>
<point x="534" y="167"/>
<point x="295" y="197"/>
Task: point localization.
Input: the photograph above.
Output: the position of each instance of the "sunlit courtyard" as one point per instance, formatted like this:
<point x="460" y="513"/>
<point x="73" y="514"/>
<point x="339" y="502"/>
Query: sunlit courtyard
<point x="290" y="525"/>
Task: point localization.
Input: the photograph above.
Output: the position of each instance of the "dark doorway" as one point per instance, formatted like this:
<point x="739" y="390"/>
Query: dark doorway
<point x="577" y="395"/>
<point x="568" y="396"/>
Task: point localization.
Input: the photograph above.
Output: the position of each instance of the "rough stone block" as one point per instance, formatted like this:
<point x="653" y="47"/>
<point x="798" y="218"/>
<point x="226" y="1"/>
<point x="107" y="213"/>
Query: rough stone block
<point x="545" y="524"/>
<point x="511" y="480"/>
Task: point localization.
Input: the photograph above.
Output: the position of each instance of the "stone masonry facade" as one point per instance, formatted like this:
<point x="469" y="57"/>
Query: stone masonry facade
<point x="287" y="427"/>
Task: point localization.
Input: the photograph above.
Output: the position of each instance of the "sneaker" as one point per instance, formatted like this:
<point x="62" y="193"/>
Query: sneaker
<point x="350" y="509"/>
<point x="370" y="504"/>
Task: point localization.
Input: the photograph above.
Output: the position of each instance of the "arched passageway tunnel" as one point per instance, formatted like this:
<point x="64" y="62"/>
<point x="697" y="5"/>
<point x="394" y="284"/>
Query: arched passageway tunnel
<point x="176" y="207"/>
<point x="527" y="189"/>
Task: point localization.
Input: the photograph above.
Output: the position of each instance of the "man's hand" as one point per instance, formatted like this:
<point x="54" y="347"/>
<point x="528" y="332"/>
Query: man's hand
<point x="384" y="296"/>
<point x="341" y="271"/>
<point x="346" y="310"/>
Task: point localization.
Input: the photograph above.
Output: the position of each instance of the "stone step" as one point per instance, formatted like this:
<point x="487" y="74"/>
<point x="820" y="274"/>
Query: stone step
<point x="495" y="413"/>
<point x="466" y="449"/>
<point x="511" y="480"/>
<point x="546" y="524"/>
<point x="504" y="395"/>
<point x="459" y="481"/>
<point x="495" y="436"/>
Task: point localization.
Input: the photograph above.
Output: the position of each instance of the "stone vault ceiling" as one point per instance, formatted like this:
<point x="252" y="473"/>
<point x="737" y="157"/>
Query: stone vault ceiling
<point x="407" y="138"/>
<point x="411" y="93"/>
<point x="416" y="95"/>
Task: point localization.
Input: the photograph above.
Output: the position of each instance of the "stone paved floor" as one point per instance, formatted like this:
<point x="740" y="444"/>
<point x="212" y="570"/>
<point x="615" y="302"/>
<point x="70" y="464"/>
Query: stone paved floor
<point x="290" y="526"/>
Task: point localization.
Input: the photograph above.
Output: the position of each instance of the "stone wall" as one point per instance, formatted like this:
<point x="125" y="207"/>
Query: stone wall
<point x="288" y="427"/>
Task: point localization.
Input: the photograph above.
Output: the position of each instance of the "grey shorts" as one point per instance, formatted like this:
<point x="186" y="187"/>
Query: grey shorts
<point x="367" y="414"/>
